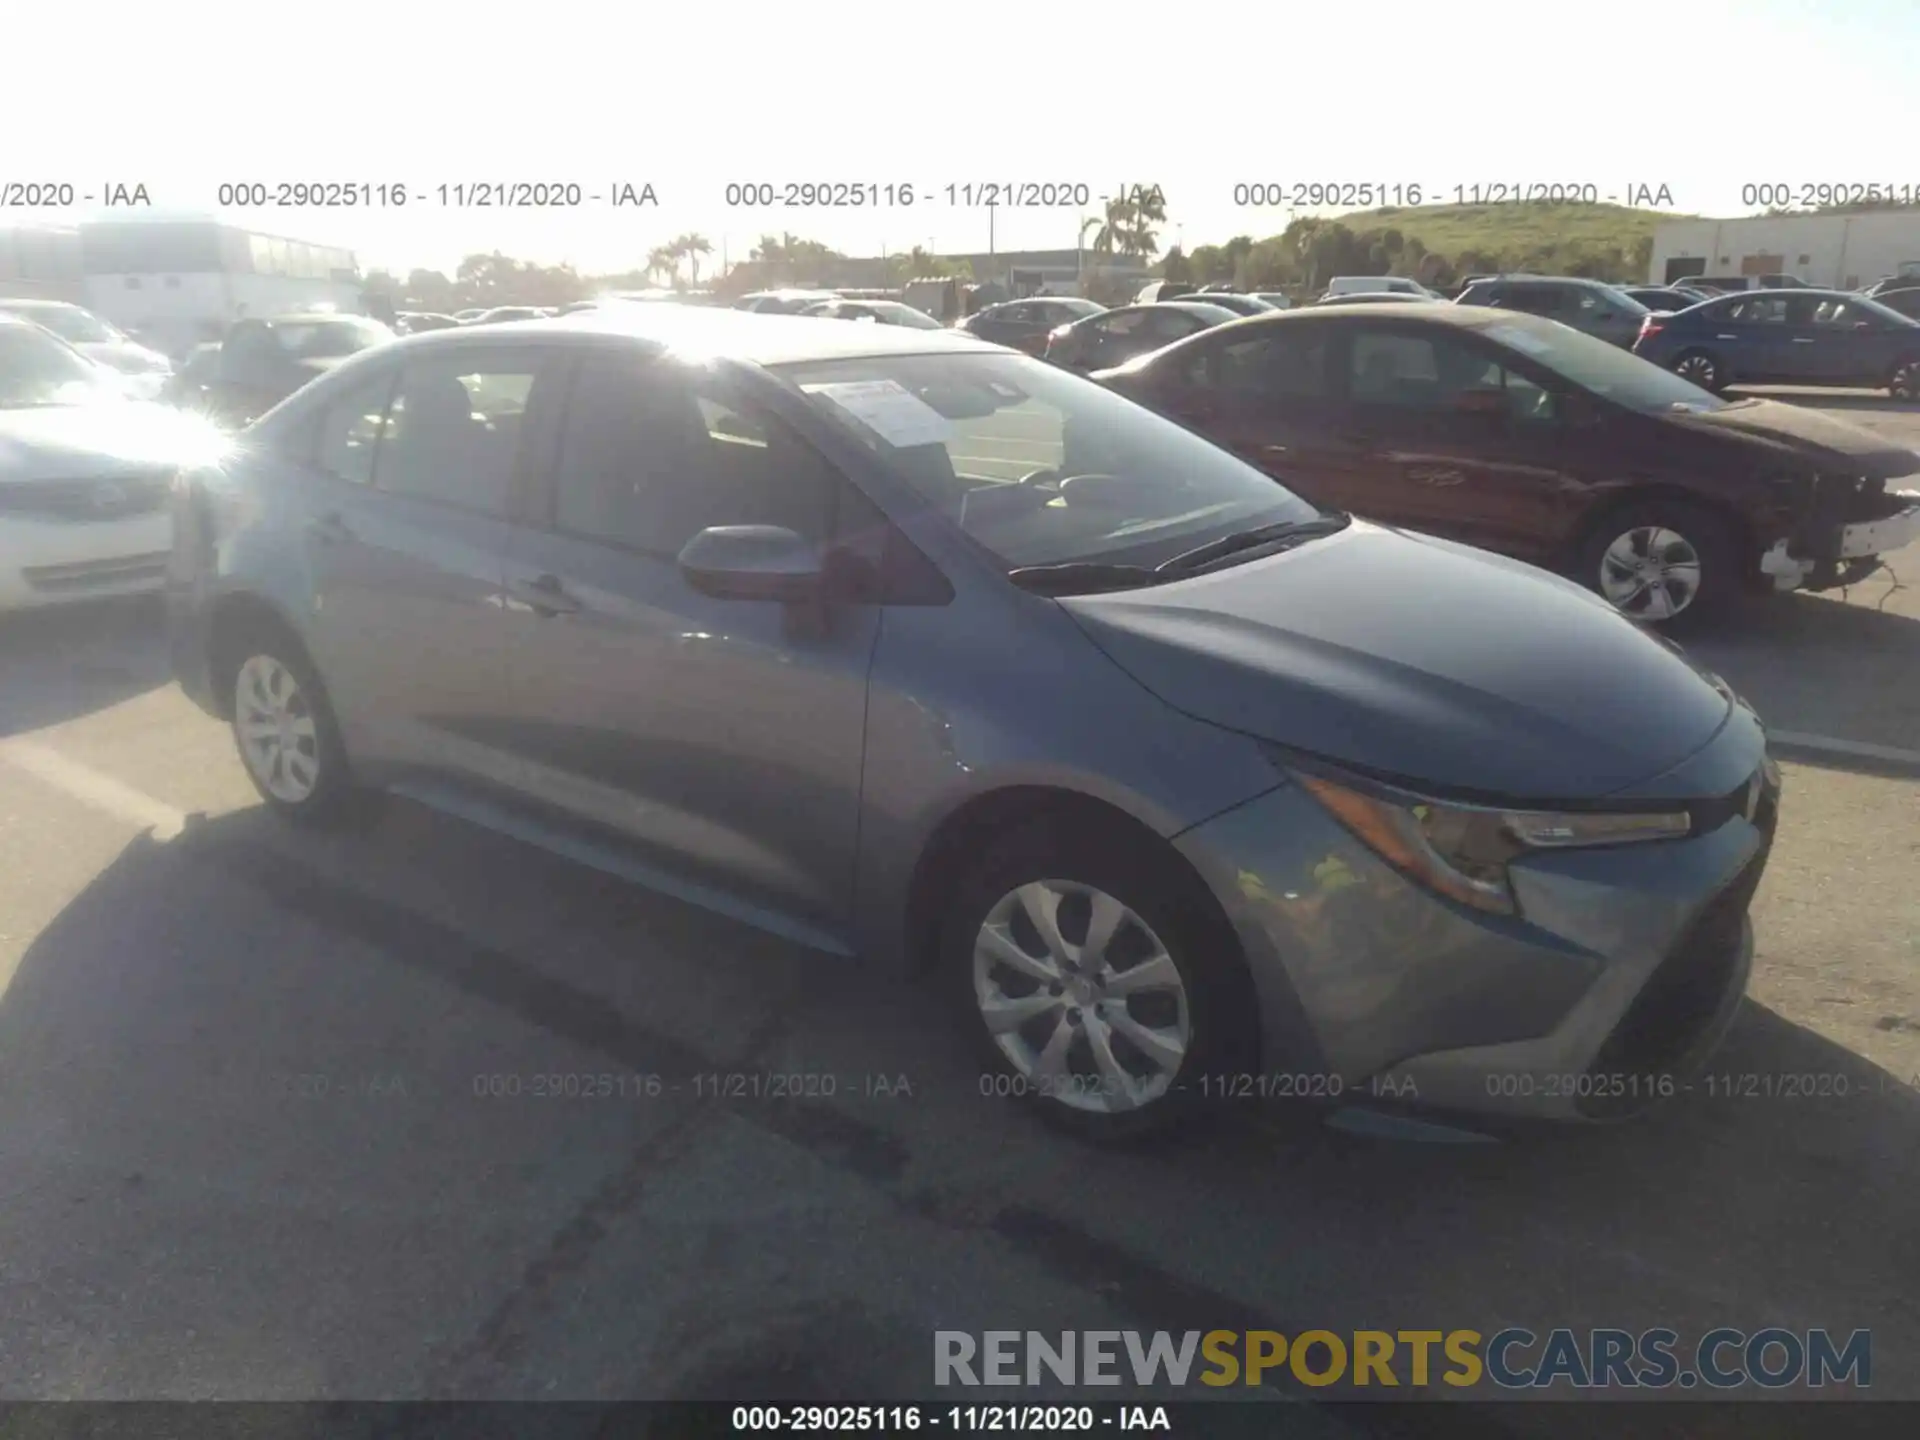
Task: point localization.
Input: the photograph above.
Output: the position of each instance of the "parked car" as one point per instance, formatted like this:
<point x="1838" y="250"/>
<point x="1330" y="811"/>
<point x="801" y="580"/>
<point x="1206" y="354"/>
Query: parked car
<point x="1904" y="301"/>
<point x="874" y="312"/>
<point x="1104" y="744"/>
<point x="84" y="471"/>
<point x="1730" y="284"/>
<point x="1800" y="337"/>
<point x="783" y="302"/>
<point x="1526" y="437"/>
<point x="1273" y="298"/>
<point x="1155" y="291"/>
<point x="1378" y="297"/>
<point x="1115" y="336"/>
<point x="1670" y="298"/>
<point x="1026" y="324"/>
<point x="417" y="322"/>
<point x="1230" y="300"/>
<point x="506" y="314"/>
<point x="463" y="316"/>
<point x="1599" y="309"/>
<point x="1367" y="284"/>
<point x="1892" y="282"/>
<point x="261" y="362"/>
<point x="143" y="369"/>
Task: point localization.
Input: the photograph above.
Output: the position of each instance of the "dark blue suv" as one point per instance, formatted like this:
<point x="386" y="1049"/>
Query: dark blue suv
<point x="1790" y="337"/>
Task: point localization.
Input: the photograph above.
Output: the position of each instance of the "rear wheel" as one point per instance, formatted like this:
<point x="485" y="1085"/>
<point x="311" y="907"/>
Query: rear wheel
<point x="1093" y="982"/>
<point x="1662" y="561"/>
<point x="1904" y="382"/>
<point x="1699" y="368"/>
<point x="286" y="733"/>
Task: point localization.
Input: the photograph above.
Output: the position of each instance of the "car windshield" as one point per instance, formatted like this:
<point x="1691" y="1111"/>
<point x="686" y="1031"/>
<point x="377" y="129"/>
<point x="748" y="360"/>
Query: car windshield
<point x="1601" y="367"/>
<point x="1109" y="481"/>
<point x="36" y="369"/>
<point x="1077" y="307"/>
<point x="328" y="339"/>
<point x="71" y="323"/>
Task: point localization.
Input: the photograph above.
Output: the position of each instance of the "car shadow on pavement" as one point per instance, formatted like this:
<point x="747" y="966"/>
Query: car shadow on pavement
<point x="1780" y="1190"/>
<point x="61" y="663"/>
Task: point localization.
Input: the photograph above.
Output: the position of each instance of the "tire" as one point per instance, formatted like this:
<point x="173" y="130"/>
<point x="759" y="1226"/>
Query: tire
<point x="1197" y="1001"/>
<point x="1700" y="368"/>
<point x="1904" y="381"/>
<point x="286" y="734"/>
<point x="1689" y="550"/>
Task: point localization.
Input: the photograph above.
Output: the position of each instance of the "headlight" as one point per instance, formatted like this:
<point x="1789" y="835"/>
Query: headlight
<point x="1463" y="851"/>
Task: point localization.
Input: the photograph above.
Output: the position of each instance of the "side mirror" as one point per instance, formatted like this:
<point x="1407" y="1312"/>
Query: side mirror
<point x="752" y="562"/>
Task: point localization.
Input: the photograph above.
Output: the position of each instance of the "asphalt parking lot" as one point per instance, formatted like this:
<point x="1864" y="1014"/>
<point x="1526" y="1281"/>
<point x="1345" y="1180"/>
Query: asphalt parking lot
<point x="268" y="1129"/>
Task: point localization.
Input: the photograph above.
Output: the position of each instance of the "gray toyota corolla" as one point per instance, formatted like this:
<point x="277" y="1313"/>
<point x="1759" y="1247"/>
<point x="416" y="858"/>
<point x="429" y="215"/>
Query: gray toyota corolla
<point x="918" y="649"/>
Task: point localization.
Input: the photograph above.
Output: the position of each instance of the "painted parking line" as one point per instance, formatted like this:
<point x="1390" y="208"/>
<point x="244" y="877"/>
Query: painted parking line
<point x="1859" y="749"/>
<point x="94" y="788"/>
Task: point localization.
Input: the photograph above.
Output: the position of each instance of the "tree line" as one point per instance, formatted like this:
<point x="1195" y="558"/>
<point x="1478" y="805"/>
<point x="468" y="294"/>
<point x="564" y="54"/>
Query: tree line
<point x="1301" y="258"/>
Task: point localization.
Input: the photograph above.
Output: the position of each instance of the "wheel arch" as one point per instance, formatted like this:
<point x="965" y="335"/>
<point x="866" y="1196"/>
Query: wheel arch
<point x="234" y="618"/>
<point x="977" y="822"/>
<point x="1642" y="492"/>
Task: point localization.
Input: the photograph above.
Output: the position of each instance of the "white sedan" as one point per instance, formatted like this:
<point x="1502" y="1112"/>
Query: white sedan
<point x="85" y="473"/>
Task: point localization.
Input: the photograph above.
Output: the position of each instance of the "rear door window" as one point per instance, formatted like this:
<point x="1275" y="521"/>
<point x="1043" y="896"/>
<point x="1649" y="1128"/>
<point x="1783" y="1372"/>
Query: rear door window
<point x="453" y="430"/>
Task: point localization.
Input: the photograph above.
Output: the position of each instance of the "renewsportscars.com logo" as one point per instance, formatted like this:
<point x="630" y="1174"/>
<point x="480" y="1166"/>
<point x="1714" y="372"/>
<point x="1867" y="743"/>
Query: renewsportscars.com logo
<point x="1513" y="1358"/>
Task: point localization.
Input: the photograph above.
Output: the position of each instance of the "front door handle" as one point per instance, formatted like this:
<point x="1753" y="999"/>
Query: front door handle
<point x="545" y="596"/>
<point x="329" y="529"/>
<point x="1803" y="339"/>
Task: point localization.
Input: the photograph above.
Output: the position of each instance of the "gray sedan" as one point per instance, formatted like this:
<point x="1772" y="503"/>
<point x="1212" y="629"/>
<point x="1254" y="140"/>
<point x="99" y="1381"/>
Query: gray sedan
<point x="917" y="650"/>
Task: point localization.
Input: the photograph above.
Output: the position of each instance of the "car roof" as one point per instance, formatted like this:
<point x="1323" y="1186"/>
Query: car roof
<point x="21" y="302"/>
<point x="1428" y="312"/>
<point x="737" y="334"/>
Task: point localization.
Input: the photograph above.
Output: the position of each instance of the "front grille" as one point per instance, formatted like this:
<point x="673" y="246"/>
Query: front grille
<point x="103" y="498"/>
<point x="1687" y="991"/>
<point x="97" y="574"/>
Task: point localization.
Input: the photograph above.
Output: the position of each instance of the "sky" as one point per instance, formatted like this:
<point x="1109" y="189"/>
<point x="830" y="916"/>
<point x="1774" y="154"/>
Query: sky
<point x="690" y="99"/>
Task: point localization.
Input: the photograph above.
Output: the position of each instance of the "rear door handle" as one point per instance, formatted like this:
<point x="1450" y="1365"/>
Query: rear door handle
<point x="1803" y="339"/>
<point x="545" y="595"/>
<point x="329" y="529"/>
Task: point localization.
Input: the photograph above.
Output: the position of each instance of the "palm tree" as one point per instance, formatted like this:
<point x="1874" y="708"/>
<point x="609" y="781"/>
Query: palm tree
<point x="661" y="261"/>
<point x="1108" y="228"/>
<point x="691" y="247"/>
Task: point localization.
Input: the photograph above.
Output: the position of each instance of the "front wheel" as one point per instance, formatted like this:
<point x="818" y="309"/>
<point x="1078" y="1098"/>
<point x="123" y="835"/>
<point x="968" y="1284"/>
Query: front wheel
<point x="1904" y="382"/>
<point x="286" y="733"/>
<point x="1094" y="984"/>
<point x="1660" y="562"/>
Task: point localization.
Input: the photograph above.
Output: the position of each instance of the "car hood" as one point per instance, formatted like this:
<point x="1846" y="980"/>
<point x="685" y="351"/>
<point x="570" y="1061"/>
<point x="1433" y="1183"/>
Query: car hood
<point x="55" y="442"/>
<point x="1861" y="452"/>
<point x="1420" y="660"/>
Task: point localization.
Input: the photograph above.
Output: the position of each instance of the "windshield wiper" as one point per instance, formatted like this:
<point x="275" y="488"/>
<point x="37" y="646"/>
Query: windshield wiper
<point x="1083" y="577"/>
<point x="1201" y="557"/>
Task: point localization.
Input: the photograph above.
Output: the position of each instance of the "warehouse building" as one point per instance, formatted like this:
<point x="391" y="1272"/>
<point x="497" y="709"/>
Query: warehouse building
<point x="1838" y="251"/>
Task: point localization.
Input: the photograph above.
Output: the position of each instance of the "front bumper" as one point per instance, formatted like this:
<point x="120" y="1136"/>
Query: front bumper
<point x="1616" y="982"/>
<point x="53" y="562"/>
<point x="1834" y="557"/>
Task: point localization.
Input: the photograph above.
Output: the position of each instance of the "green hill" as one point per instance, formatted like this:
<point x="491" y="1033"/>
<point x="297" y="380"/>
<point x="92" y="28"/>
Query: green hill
<point x="1451" y="229"/>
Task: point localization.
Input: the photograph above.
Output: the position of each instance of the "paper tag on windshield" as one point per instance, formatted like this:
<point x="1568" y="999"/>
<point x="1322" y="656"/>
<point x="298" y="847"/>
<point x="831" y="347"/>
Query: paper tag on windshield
<point x="890" y="410"/>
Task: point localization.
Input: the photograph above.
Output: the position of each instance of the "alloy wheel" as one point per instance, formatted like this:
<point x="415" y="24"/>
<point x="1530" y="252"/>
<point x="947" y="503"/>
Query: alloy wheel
<point x="1697" y="369"/>
<point x="275" y="723"/>
<point x="1905" y="384"/>
<point x="1081" y="996"/>
<point x="1650" y="573"/>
